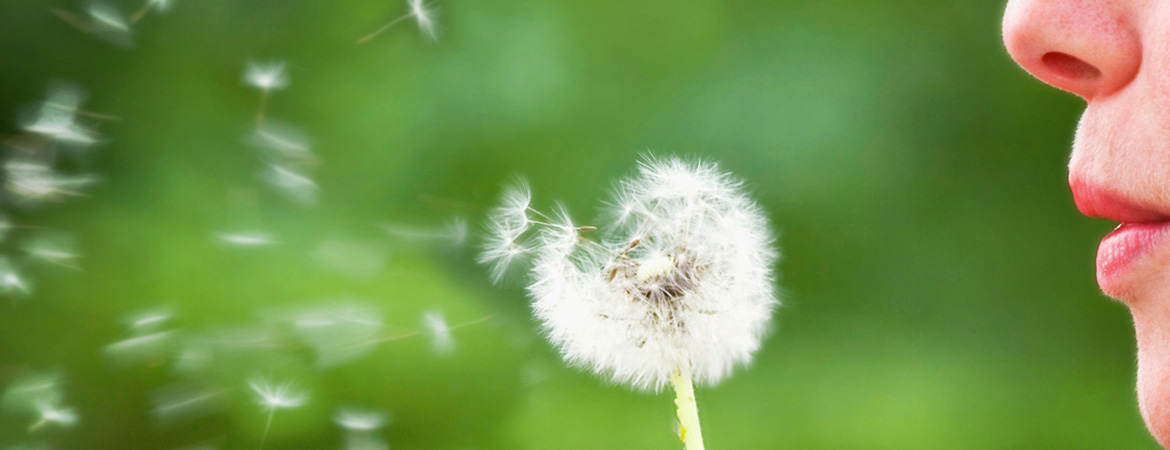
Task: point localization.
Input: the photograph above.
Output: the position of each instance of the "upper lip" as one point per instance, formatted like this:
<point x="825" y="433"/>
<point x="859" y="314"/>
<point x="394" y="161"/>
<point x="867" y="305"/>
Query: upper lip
<point x="1096" y="201"/>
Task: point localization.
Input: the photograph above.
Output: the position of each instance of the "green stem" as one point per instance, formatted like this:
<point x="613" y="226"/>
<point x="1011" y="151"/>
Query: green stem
<point x="688" y="411"/>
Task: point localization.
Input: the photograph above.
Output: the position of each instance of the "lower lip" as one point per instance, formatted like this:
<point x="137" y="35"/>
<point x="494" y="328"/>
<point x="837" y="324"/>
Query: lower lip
<point x="1124" y="246"/>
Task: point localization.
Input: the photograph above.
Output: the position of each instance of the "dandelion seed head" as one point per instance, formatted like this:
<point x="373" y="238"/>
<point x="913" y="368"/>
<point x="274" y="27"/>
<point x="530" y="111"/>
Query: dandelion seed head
<point x="267" y="76"/>
<point x="360" y="419"/>
<point x="684" y="281"/>
<point x="277" y="396"/>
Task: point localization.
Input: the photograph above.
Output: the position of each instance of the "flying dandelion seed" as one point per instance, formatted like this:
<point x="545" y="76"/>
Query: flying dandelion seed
<point x="421" y="12"/>
<point x="361" y="419"/>
<point x="435" y="326"/>
<point x="148" y="320"/>
<point x="336" y="332"/>
<point x="295" y="185"/>
<point x="185" y="402"/>
<point x="33" y="182"/>
<point x="57" y="117"/>
<point x="274" y="396"/>
<point x="246" y="239"/>
<point x="507" y="223"/>
<point x="360" y="425"/>
<point x="41" y="395"/>
<point x="284" y="143"/>
<point x="144" y="349"/>
<point x="12" y="283"/>
<point x="161" y="6"/>
<point x="266" y="77"/>
<point x="454" y="233"/>
<point x="56" y="249"/>
<point x="680" y="287"/>
<point x="108" y="23"/>
<point x="53" y="414"/>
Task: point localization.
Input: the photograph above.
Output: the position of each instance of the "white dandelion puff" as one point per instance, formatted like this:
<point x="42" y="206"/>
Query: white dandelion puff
<point x="680" y="287"/>
<point x="422" y="13"/>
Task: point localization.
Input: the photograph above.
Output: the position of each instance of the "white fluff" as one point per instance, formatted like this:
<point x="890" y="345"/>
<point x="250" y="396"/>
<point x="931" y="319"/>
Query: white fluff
<point x="682" y="280"/>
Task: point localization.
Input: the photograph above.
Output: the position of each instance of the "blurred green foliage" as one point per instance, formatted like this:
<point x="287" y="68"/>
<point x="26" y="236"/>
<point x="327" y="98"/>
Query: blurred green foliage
<point x="938" y="281"/>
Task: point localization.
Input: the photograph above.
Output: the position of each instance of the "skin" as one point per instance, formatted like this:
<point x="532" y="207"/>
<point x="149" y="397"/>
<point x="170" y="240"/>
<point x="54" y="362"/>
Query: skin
<point x="1115" y="54"/>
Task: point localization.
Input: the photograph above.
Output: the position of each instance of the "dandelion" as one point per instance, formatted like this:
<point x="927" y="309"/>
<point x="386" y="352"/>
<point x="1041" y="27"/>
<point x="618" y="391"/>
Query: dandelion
<point x="680" y="288"/>
<point x="274" y="396"/>
<point x="419" y="11"/>
<point x="267" y="77"/>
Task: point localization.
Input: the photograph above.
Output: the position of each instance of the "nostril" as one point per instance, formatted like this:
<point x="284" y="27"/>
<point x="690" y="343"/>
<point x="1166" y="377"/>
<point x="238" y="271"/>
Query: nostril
<point x="1069" y="67"/>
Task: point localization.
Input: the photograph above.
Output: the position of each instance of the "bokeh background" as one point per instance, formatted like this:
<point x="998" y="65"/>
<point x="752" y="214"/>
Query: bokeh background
<point x="938" y="281"/>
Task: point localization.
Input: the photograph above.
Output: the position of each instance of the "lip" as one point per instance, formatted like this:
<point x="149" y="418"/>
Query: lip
<point x="1141" y="229"/>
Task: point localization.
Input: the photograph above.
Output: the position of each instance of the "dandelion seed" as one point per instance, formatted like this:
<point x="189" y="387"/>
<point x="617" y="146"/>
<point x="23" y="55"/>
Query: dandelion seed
<point x="295" y="185"/>
<point x="34" y="182"/>
<point x="421" y="13"/>
<point x="54" y="249"/>
<point x="148" y="320"/>
<point x="440" y="334"/>
<point x="335" y="332"/>
<point x="285" y="142"/>
<point x="267" y="77"/>
<point x="507" y="224"/>
<point x="680" y="288"/>
<point x="247" y="239"/>
<point x="161" y="6"/>
<point x="454" y="233"/>
<point x="53" y="414"/>
<point x="360" y="419"/>
<point x="144" y="349"/>
<point x="274" y="396"/>
<point x="107" y="22"/>
<point x="12" y="283"/>
<point x="184" y="402"/>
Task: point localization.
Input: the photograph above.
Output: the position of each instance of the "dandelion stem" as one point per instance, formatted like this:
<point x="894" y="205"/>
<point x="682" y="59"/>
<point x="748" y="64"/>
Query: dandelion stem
<point x="688" y="411"/>
<point x="385" y="27"/>
<point x="268" y="426"/>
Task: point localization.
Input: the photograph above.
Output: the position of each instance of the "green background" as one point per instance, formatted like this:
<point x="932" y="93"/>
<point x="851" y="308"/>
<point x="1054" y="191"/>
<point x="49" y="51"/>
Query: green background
<point x="938" y="281"/>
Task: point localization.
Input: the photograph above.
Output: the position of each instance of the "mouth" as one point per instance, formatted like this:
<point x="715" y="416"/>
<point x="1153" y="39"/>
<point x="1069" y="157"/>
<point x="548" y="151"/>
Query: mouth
<point x="1140" y="230"/>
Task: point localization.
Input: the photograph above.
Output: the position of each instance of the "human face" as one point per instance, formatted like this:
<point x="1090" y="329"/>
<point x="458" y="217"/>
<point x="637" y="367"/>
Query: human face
<point x="1115" y="54"/>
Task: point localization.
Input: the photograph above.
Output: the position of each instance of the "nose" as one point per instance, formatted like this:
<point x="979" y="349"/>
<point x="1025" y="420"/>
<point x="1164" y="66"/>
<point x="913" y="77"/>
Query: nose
<point x="1091" y="48"/>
